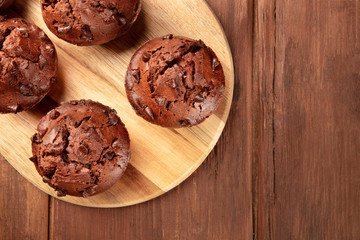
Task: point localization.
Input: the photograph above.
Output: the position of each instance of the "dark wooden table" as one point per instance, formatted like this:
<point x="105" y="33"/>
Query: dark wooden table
<point x="288" y="163"/>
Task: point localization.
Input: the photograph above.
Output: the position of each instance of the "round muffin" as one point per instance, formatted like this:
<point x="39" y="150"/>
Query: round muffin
<point x="89" y="22"/>
<point x="5" y="4"/>
<point x="28" y="65"/>
<point x="174" y="81"/>
<point x="81" y="148"/>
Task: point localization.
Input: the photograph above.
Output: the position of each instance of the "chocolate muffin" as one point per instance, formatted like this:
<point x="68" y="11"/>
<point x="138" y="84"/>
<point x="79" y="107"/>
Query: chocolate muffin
<point x="174" y="81"/>
<point x="89" y="22"/>
<point x="28" y="65"/>
<point x="5" y="4"/>
<point x="81" y="148"/>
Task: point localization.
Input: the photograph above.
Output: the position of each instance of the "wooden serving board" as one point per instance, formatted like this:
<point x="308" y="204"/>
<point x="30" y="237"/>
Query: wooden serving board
<point x="161" y="158"/>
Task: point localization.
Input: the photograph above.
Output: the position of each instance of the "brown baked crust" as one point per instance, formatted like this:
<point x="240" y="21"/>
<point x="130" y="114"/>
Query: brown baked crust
<point x="89" y="22"/>
<point x="174" y="81"/>
<point x="28" y="65"/>
<point x="81" y="148"/>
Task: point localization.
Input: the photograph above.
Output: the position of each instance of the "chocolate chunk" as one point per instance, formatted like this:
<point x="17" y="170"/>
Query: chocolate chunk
<point x="135" y="73"/>
<point x="185" y="122"/>
<point x="24" y="65"/>
<point x="61" y="193"/>
<point x="149" y="112"/>
<point x="84" y="148"/>
<point x="199" y="99"/>
<point x="26" y="90"/>
<point x="109" y="155"/>
<point x="161" y="101"/>
<point x="170" y="36"/>
<point x="122" y="20"/>
<point x="214" y="64"/>
<point x="46" y="179"/>
<point x="33" y="159"/>
<point x="113" y="120"/>
<point x="85" y="194"/>
<point x="54" y="114"/>
<point x="23" y="32"/>
<point x="116" y="144"/>
<point x="42" y="62"/>
<point x="146" y="56"/>
<point x="14" y="108"/>
<point x="63" y="29"/>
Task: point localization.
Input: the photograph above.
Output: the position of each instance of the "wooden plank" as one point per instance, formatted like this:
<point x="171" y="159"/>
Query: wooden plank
<point x="23" y="207"/>
<point x="263" y="99"/>
<point x="317" y="120"/>
<point x="215" y="202"/>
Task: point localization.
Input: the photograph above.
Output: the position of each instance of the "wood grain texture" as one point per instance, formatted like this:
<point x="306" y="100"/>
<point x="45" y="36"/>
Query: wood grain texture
<point x="161" y="158"/>
<point x="316" y="192"/>
<point x="23" y="207"/>
<point x="214" y="202"/>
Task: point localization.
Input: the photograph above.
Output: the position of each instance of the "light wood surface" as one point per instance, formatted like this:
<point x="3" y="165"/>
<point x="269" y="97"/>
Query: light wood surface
<point x="161" y="158"/>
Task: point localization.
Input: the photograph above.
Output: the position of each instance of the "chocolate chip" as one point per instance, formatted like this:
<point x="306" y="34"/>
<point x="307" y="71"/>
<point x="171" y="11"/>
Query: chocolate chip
<point x="116" y="144"/>
<point x="50" y="49"/>
<point x="149" y="112"/>
<point x="23" y="32"/>
<point x="201" y="43"/>
<point x="146" y="56"/>
<point x="26" y="90"/>
<point x="54" y="114"/>
<point x="107" y="14"/>
<point x="94" y="4"/>
<point x="172" y="83"/>
<point x="91" y="190"/>
<point x="135" y="73"/>
<point x="214" y="64"/>
<point x="87" y="33"/>
<point x="170" y="36"/>
<point x="73" y="102"/>
<point x="161" y="101"/>
<point x="60" y="193"/>
<point x="46" y="179"/>
<point x="42" y="35"/>
<point x="199" y="98"/>
<point x="14" y="108"/>
<point x="113" y="120"/>
<point x="122" y="20"/>
<point x="85" y="194"/>
<point x="42" y="62"/>
<point x="24" y="65"/>
<point x="63" y="29"/>
<point x="109" y="155"/>
<point x="87" y="166"/>
<point x="84" y="149"/>
<point x="33" y="159"/>
<point x="185" y="122"/>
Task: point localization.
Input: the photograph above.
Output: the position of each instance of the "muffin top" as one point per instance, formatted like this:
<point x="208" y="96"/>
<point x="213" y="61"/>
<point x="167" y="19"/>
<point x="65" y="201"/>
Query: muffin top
<point x="174" y="81"/>
<point x="28" y="65"/>
<point x="81" y="148"/>
<point x="89" y="22"/>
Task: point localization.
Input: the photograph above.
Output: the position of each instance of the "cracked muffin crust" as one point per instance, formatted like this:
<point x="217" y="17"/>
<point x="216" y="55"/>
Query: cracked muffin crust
<point x="81" y="148"/>
<point x="5" y="4"/>
<point x="174" y="81"/>
<point x="89" y="22"/>
<point x="28" y="65"/>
